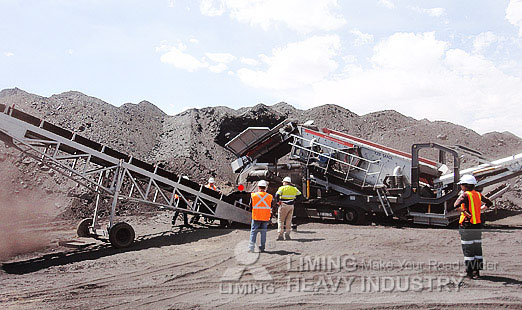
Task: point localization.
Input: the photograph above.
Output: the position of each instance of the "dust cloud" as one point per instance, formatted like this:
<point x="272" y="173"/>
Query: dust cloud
<point x="23" y="219"/>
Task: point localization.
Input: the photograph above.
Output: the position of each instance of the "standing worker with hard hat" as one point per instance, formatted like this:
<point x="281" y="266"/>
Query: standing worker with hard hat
<point x="470" y="224"/>
<point x="212" y="186"/>
<point x="261" y="202"/>
<point x="285" y="197"/>
<point x="181" y="203"/>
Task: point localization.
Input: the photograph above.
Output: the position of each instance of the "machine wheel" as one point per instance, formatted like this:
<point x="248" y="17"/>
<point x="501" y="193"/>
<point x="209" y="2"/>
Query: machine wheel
<point x="82" y="230"/>
<point x="354" y="216"/>
<point x="121" y="235"/>
<point x="225" y="223"/>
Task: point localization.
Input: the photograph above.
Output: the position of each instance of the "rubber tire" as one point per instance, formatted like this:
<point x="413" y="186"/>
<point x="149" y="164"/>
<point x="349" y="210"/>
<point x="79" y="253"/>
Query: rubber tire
<point x="225" y="224"/>
<point x="354" y="216"/>
<point x="82" y="230"/>
<point x="121" y="235"/>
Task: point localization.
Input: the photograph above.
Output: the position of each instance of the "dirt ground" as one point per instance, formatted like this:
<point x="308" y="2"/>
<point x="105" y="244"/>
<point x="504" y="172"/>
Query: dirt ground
<point x="325" y="264"/>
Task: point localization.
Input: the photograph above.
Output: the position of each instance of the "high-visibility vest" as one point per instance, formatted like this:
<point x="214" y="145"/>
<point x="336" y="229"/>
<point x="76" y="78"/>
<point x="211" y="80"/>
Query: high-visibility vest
<point x="261" y="206"/>
<point x="288" y="192"/>
<point x="474" y="205"/>
<point x="212" y="186"/>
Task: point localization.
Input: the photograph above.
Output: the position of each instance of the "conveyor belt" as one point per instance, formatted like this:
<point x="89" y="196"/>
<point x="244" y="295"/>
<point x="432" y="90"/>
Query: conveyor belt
<point x="111" y="173"/>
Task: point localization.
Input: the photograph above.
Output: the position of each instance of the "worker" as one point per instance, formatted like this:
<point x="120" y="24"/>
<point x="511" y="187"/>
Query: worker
<point x="180" y="203"/>
<point x="261" y="203"/>
<point x="212" y="186"/>
<point x="470" y="224"/>
<point x="286" y="196"/>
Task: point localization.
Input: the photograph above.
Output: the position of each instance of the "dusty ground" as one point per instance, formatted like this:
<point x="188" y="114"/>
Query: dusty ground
<point x="180" y="269"/>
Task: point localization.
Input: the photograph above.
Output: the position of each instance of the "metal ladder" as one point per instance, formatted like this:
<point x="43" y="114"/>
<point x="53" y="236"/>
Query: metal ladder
<point x="383" y="199"/>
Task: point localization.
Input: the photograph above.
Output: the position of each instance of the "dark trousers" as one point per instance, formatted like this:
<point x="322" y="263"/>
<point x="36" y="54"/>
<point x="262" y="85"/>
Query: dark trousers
<point x="180" y="204"/>
<point x="471" y="240"/>
<point x="185" y="218"/>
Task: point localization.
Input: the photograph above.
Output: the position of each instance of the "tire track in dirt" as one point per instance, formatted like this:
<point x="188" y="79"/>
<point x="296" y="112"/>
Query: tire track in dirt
<point x="104" y="281"/>
<point x="99" y="289"/>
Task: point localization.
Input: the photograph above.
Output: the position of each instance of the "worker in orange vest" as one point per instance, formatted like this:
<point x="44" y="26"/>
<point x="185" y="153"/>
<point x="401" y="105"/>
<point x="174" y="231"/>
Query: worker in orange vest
<point x="180" y="203"/>
<point x="261" y="203"/>
<point x="212" y="186"/>
<point x="470" y="224"/>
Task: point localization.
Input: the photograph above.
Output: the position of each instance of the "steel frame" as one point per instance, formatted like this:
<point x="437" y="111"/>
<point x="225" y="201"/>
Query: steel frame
<point x="114" y="178"/>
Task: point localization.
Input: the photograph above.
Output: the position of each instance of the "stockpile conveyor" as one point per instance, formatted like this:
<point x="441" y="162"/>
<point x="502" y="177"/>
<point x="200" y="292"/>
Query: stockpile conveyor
<point x="113" y="174"/>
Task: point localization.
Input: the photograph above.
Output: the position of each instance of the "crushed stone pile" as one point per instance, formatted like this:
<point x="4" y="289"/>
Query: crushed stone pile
<point x="192" y="142"/>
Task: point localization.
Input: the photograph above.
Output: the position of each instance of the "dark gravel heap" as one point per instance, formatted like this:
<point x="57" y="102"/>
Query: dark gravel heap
<point x="191" y="142"/>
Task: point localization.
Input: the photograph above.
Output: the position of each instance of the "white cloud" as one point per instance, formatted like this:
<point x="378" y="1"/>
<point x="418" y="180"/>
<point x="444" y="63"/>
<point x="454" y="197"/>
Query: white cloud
<point x="408" y="50"/>
<point x="361" y="38"/>
<point x="171" y="3"/>
<point x="303" y="16"/>
<point x="179" y="58"/>
<point x="208" y="8"/>
<point x="415" y="74"/>
<point x="193" y="41"/>
<point x="433" y="12"/>
<point x="175" y="55"/>
<point x="249" y="61"/>
<point x="295" y="65"/>
<point x="483" y="41"/>
<point x="350" y="59"/>
<point x="70" y="51"/>
<point x="221" y="57"/>
<point x="387" y="4"/>
<point x="218" y="68"/>
<point x="514" y="14"/>
<point x="8" y="54"/>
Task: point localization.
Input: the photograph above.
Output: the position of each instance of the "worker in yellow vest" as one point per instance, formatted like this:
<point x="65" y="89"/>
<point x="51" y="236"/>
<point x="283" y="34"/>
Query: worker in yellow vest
<point x="470" y="224"/>
<point x="261" y="203"/>
<point x="285" y="197"/>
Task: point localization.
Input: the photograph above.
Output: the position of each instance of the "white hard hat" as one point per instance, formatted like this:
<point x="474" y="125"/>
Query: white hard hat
<point x="287" y="179"/>
<point x="468" y="179"/>
<point x="262" y="183"/>
<point x="185" y="177"/>
<point x="211" y="180"/>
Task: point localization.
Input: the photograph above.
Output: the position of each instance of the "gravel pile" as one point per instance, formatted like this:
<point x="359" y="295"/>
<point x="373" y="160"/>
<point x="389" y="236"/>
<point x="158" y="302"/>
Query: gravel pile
<point x="192" y="142"/>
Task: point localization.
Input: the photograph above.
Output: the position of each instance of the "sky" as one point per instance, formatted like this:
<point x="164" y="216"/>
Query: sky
<point x="457" y="61"/>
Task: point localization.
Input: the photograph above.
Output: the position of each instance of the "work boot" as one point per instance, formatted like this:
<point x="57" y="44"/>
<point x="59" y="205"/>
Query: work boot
<point x="280" y="238"/>
<point x="287" y="237"/>
<point x="467" y="275"/>
<point x="476" y="274"/>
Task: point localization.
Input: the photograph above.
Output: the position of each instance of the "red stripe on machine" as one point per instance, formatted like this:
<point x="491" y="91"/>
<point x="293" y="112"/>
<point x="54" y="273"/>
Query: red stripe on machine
<point x="381" y="147"/>
<point x="322" y="135"/>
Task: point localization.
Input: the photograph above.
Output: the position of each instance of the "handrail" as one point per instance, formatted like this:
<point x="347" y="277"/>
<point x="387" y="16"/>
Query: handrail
<point x="297" y="143"/>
